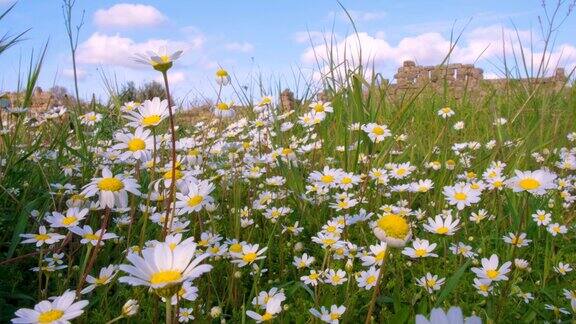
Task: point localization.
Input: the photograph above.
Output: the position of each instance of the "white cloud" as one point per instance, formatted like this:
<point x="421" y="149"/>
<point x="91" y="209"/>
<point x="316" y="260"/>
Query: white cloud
<point x="80" y="73"/>
<point x="244" y="47"/>
<point x="431" y="48"/>
<point x="117" y="50"/>
<point x="128" y="15"/>
<point x="174" y="78"/>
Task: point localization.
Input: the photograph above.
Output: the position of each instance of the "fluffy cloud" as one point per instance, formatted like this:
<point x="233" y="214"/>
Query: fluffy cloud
<point x="244" y="47"/>
<point x="80" y="74"/>
<point x="128" y="15"/>
<point x="117" y="50"/>
<point x="432" y="48"/>
<point x="175" y="78"/>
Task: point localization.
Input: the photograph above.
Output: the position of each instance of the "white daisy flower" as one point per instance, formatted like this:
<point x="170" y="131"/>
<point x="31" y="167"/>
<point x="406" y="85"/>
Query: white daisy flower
<point x="58" y="311"/>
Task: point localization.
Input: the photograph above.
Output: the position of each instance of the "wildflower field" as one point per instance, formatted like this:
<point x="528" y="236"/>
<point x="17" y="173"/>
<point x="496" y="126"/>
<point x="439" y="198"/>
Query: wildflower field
<point x="359" y="206"/>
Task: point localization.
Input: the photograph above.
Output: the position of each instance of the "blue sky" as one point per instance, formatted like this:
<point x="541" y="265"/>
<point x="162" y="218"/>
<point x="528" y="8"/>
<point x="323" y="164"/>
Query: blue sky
<point x="268" y="38"/>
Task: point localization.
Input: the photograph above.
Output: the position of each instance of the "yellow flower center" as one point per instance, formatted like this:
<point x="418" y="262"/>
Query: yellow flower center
<point x="370" y="279"/>
<point x="235" y="248"/>
<point x="50" y="316"/>
<point x="41" y="237"/>
<point x="497" y="184"/>
<point x="287" y="151"/>
<point x="92" y="118"/>
<point x="313" y="276"/>
<point x="223" y="106"/>
<point x="165" y="277"/>
<point x="343" y="204"/>
<point x="319" y="107"/>
<point x="336" y="278"/>
<point x="327" y="178"/>
<point x="69" y="220"/>
<point x="249" y="257"/>
<point x="164" y="58"/>
<point x="492" y="274"/>
<point x="420" y="252"/>
<point x="328" y="241"/>
<point x="346" y="180"/>
<point x="195" y="201"/>
<point x="331" y="229"/>
<point x="529" y="184"/>
<point x="460" y="196"/>
<point x="431" y="283"/>
<point x="101" y="280"/>
<point x="168" y="175"/>
<point x="110" y="184"/>
<point x="334" y="316"/>
<point x="381" y="255"/>
<point x="221" y="73"/>
<point x="151" y="120"/>
<point x="136" y="144"/>
<point x="394" y="226"/>
<point x="91" y="237"/>
<point x="267" y="317"/>
<point x="378" y="130"/>
<point x="442" y="230"/>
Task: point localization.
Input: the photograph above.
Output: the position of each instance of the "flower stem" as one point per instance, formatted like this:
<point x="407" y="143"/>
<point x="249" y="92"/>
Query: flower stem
<point x="94" y="252"/>
<point x="168" y="311"/>
<point x="374" y="295"/>
<point x="173" y="138"/>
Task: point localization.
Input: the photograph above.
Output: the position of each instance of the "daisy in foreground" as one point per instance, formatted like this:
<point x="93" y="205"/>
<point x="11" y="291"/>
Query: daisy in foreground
<point x="535" y="182"/>
<point x="331" y="316"/>
<point x="453" y="316"/>
<point x="59" y="311"/>
<point x="249" y="254"/>
<point x="162" y="266"/>
<point x="111" y="189"/>
<point x="150" y="114"/>
<point x="160" y="61"/>
<point x="490" y="269"/>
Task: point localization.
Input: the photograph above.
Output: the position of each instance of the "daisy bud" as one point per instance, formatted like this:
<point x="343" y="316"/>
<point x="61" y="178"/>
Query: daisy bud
<point x="237" y="274"/>
<point x="130" y="308"/>
<point x="215" y="311"/>
<point x="298" y="247"/>
<point x="349" y="265"/>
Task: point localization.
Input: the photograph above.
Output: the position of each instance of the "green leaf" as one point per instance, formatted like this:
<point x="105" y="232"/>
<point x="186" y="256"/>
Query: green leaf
<point x="452" y="283"/>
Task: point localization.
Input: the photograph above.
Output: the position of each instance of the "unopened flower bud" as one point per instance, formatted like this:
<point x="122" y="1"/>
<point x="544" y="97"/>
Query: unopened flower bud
<point x="130" y="308"/>
<point x="215" y="311"/>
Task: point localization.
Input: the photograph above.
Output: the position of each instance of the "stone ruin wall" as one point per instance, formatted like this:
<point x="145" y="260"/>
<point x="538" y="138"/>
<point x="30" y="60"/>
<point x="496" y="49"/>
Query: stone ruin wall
<point x="460" y="78"/>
